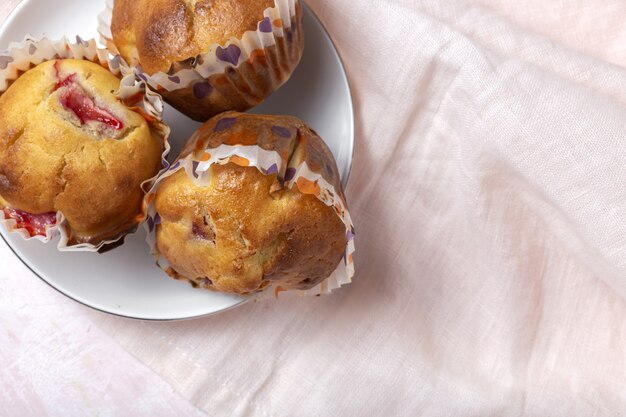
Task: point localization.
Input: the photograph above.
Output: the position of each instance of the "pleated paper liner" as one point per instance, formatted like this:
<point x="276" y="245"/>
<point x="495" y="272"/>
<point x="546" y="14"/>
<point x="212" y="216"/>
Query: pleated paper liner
<point x="236" y="76"/>
<point x="302" y="167"/>
<point x="22" y="56"/>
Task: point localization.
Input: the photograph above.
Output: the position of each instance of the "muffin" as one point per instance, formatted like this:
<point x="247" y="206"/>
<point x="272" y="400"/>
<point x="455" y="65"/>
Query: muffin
<point x="206" y="57"/>
<point x="68" y="145"/>
<point x="236" y="213"/>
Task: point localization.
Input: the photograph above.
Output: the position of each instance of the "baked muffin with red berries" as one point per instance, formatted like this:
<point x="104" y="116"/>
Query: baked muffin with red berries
<point x="209" y="56"/>
<point x="69" y="145"/>
<point x="239" y="228"/>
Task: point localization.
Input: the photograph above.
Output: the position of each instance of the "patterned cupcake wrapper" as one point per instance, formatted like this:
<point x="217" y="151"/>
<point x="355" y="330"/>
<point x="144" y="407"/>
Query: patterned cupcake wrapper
<point x="280" y="26"/>
<point x="290" y="174"/>
<point x="22" y="56"/>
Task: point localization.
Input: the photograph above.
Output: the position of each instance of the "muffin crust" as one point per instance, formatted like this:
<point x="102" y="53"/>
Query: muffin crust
<point x="159" y="33"/>
<point x="67" y="144"/>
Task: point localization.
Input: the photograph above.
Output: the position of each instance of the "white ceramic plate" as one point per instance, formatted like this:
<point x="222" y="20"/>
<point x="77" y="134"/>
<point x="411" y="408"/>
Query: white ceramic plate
<point x="126" y="281"/>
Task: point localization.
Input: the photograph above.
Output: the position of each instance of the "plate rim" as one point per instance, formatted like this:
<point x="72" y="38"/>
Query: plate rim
<point x="345" y="182"/>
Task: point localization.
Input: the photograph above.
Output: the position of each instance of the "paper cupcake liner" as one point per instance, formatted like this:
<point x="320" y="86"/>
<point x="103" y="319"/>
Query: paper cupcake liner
<point x="22" y="56"/>
<point x="236" y="76"/>
<point x="197" y="162"/>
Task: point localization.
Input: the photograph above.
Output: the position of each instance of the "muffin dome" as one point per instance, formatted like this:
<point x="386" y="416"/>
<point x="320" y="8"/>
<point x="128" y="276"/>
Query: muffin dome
<point x="160" y="33"/>
<point x="68" y="144"/>
<point x="243" y="232"/>
<point x="206" y="57"/>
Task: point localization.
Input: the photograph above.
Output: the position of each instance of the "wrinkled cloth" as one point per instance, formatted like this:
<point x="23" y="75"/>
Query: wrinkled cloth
<point x="55" y="361"/>
<point x="488" y="192"/>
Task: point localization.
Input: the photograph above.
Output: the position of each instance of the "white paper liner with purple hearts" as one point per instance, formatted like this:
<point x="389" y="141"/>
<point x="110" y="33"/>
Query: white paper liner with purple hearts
<point x="267" y="162"/>
<point x="219" y="57"/>
<point x="19" y="57"/>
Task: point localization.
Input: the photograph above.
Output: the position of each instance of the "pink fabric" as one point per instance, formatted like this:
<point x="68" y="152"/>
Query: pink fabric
<point x="592" y="27"/>
<point x="56" y="361"/>
<point x="6" y="7"/>
<point x="488" y="193"/>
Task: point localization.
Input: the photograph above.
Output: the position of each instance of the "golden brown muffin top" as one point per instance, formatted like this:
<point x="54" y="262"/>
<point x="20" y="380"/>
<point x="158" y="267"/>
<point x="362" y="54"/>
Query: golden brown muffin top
<point x="245" y="231"/>
<point x="159" y="33"/>
<point x="234" y="236"/>
<point x="68" y="144"/>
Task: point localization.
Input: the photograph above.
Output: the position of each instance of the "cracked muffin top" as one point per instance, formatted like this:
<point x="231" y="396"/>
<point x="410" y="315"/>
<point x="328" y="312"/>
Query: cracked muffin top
<point x="159" y="33"/>
<point x="244" y="230"/>
<point x="68" y="144"/>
